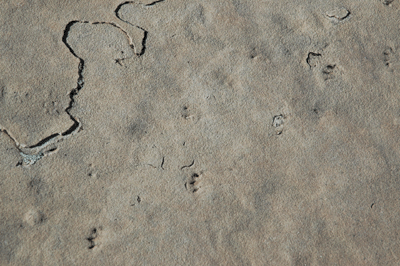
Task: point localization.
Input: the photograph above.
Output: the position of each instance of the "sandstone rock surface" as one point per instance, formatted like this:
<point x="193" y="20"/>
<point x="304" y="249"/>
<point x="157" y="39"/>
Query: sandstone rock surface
<point x="171" y="132"/>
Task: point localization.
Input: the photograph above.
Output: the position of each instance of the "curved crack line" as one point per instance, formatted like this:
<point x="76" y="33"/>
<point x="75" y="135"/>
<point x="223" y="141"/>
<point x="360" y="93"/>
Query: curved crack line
<point x="188" y="166"/>
<point x="145" y="32"/>
<point x="155" y="2"/>
<point x="310" y="56"/>
<point x="33" y="153"/>
<point x="116" y="11"/>
<point x="80" y="84"/>
<point x="338" y="16"/>
<point x="131" y="42"/>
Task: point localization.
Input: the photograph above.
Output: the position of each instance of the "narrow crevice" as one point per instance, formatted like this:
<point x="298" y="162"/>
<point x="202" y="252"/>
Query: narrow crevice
<point x="187" y="166"/>
<point x="37" y="148"/>
<point x="52" y="149"/>
<point x="74" y="92"/>
<point x="81" y="67"/>
<point x="162" y="163"/>
<point x="65" y="36"/>
<point x="43" y="141"/>
<point x="155" y="2"/>
<point x="116" y="11"/>
<point x="131" y="43"/>
<point x="13" y="140"/>
<point x="112" y="24"/>
<point x="79" y="84"/>
<point x="348" y="15"/>
<point x="143" y="42"/>
<point x="145" y="32"/>
<point x="34" y="153"/>
<point x="71" y="129"/>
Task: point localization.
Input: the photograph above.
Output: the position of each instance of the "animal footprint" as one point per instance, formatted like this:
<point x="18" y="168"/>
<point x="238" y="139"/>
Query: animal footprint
<point x="328" y="71"/>
<point x="193" y="183"/>
<point x="391" y="58"/>
<point x="136" y="201"/>
<point x="92" y="238"/>
<point x="189" y="114"/>
<point x="278" y="122"/>
<point x="34" y="217"/>
<point x="313" y="59"/>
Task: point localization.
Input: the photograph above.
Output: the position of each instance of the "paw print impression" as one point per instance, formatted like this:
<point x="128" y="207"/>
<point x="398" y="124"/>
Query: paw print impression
<point x="188" y="113"/>
<point x="193" y="184"/>
<point x="313" y="59"/>
<point x="34" y="217"/>
<point x="277" y="123"/>
<point x="391" y="58"/>
<point x="319" y="65"/>
<point x="328" y="72"/>
<point x="94" y="238"/>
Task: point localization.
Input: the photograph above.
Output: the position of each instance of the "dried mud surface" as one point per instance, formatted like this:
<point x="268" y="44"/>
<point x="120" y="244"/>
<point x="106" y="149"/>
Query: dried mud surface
<point x="172" y="132"/>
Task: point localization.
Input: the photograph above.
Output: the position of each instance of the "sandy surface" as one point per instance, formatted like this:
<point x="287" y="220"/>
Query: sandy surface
<point x="187" y="132"/>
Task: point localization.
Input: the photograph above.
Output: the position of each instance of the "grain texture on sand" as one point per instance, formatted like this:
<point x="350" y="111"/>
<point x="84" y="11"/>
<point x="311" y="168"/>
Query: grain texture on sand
<point x="235" y="132"/>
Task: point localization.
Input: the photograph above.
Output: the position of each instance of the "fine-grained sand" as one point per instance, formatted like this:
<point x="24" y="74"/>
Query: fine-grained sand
<point x="188" y="132"/>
